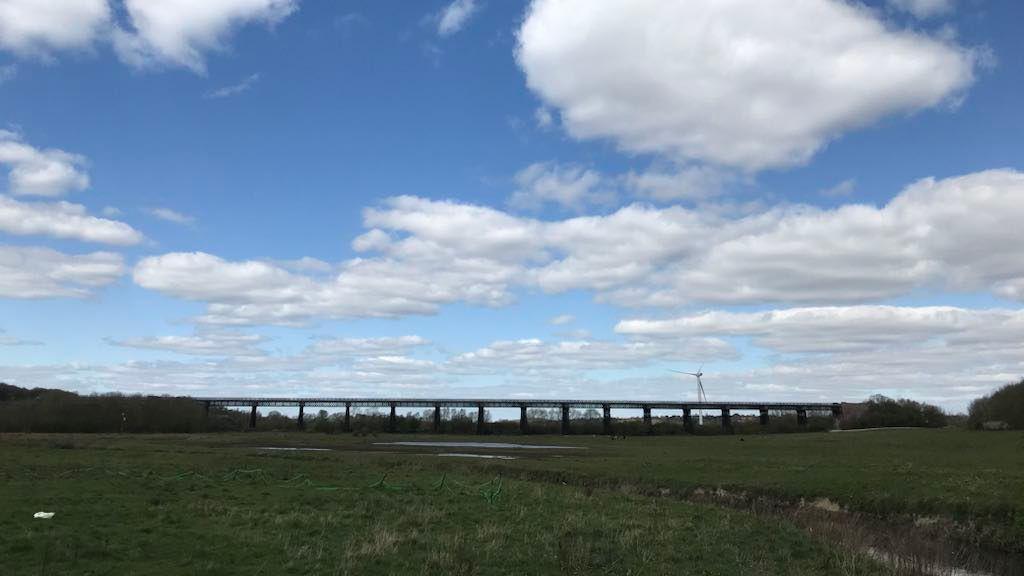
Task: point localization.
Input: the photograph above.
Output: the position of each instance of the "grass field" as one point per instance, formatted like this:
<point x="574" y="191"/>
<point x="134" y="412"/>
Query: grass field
<point x="215" y="504"/>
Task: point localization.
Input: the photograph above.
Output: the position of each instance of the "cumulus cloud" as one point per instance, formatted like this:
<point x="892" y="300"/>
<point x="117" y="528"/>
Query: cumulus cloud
<point x="35" y="27"/>
<point x="455" y="16"/>
<point x="40" y="172"/>
<point x="173" y="216"/>
<point x="180" y="32"/>
<point x="562" y="319"/>
<point x="36" y="272"/>
<point x="739" y="84"/>
<point x="955" y="234"/>
<point x="63" y="220"/>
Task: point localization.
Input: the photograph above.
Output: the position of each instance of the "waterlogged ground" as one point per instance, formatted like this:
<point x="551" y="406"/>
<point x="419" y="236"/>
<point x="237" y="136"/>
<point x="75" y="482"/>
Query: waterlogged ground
<point x="225" y="505"/>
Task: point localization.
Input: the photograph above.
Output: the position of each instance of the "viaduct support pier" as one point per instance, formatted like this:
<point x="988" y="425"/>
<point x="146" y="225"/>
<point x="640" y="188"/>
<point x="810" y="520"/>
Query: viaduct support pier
<point x="564" y="407"/>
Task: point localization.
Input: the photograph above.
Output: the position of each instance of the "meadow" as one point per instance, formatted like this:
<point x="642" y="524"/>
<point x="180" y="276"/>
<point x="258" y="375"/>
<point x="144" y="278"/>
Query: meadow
<point x="222" y="504"/>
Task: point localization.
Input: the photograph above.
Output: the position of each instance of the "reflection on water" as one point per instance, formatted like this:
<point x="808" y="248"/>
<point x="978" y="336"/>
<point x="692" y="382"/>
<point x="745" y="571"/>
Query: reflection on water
<point x="293" y="449"/>
<point x="488" y="456"/>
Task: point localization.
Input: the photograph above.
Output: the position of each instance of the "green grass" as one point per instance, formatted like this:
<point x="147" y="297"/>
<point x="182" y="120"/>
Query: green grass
<point x="213" y="505"/>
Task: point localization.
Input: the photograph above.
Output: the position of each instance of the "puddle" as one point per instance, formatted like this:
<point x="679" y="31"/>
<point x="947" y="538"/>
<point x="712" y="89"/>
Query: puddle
<point x="487" y="456"/>
<point x="293" y="449"/>
<point x="491" y="445"/>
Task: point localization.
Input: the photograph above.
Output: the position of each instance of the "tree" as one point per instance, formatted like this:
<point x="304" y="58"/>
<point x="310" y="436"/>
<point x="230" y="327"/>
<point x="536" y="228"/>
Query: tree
<point x="1005" y="405"/>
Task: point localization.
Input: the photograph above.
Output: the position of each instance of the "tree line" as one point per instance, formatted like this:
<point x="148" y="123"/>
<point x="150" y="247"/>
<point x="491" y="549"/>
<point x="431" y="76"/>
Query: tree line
<point x="50" y="410"/>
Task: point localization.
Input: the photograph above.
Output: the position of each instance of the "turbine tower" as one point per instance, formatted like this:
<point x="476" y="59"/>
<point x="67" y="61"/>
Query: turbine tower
<point x="701" y="396"/>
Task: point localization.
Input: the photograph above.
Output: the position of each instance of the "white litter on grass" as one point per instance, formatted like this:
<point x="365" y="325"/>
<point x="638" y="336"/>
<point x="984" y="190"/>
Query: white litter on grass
<point x="44" y="515"/>
<point x="489" y="456"/>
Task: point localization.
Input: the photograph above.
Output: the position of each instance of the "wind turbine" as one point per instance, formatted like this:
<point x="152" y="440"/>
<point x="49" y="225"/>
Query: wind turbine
<point x="701" y="396"/>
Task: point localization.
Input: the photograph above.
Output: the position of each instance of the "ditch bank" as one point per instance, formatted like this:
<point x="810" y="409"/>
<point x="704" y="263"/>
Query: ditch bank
<point x="913" y="544"/>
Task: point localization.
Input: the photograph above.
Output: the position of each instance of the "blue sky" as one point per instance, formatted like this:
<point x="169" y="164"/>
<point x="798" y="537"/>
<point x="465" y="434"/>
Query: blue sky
<point x="548" y="198"/>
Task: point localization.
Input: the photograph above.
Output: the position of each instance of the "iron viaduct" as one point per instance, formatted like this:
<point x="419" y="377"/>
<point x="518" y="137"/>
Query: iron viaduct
<point x="725" y="408"/>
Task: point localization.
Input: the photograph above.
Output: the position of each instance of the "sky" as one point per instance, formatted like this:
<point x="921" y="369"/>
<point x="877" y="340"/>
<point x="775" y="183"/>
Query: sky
<point x="812" y="199"/>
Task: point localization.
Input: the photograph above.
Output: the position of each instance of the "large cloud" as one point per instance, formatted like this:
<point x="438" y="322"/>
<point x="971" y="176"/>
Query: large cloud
<point x="956" y="234"/>
<point x="63" y="220"/>
<point x="744" y="84"/>
<point x="35" y="272"/>
<point x="179" y="32"/>
<point x="40" y="26"/>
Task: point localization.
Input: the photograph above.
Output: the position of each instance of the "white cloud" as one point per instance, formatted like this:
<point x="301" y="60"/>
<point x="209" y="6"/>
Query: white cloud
<point x="936" y="353"/>
<point x="180" y="32"/>
<point x="36" y="172"/>
<point x="356" y="347"/>
<point x="568" y="186"/>
<point x="455" y="16"/>
<point x="923" y="8"/>
<point x="39" y="27"/>
<point x="168" y="215"/>
<point x="201" y="344"/>
<point x="682" y="183"/>
<point x="62" y="220"/>
<point x="562" y="319"/>
<point x="957" y="234"/>
<point x="740" y="84"/>
<point x="234" y="89"/>
<point x="833" y="328"/>
<point x="36" y="272"/>
<point x="534" y="356"/>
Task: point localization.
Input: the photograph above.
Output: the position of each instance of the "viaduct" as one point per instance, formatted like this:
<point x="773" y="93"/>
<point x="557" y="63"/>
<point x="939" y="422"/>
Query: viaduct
<point x="606" y="406"/>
